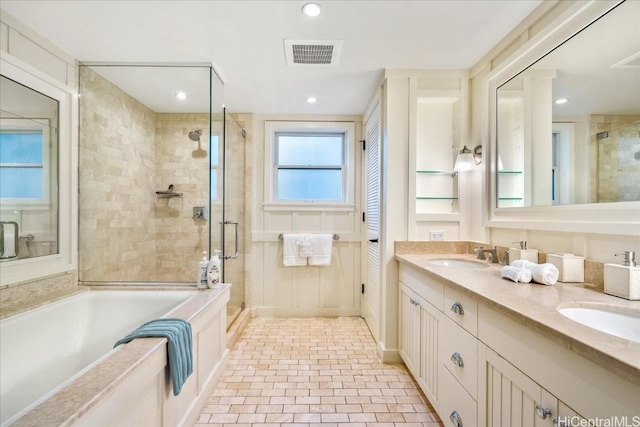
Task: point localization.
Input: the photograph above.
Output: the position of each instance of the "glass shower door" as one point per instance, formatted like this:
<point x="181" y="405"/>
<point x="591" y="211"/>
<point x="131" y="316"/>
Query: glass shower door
<point x="233" y="213"/>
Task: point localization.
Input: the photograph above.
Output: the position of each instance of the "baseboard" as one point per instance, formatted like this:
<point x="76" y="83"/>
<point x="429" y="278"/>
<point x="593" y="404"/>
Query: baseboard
<point x="305" y="312"/>
<point x="388" y="355"/>
<point x="237" y="327"/>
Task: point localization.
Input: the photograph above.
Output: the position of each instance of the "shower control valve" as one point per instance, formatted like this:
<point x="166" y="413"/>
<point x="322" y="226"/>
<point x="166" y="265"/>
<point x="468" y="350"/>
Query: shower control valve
<point x="199" y="212"/>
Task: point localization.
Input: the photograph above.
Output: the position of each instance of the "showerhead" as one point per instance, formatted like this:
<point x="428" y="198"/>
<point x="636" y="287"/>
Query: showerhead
<point x="195" y="135"/>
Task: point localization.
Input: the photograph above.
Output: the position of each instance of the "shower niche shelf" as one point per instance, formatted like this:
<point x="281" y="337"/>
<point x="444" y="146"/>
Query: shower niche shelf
<point x="168" y="194"/>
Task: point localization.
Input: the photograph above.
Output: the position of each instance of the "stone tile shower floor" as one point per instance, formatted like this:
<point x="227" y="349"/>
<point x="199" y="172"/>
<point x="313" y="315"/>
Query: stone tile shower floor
<point x="311" y="372"/>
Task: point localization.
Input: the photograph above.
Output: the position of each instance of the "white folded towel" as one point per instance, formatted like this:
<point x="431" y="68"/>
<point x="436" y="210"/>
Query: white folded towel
<point x="322" y="247"/>
<point x="516" y="274"/>
<point x="546" y="274"/>
<point x="523" y="263"/>
<point x="290" y="253"/>
<point x="305" y="246"/>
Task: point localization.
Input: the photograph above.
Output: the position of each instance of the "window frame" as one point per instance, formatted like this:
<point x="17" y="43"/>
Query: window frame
<point x="341" y="167"/>
<point x="274" y="128"/>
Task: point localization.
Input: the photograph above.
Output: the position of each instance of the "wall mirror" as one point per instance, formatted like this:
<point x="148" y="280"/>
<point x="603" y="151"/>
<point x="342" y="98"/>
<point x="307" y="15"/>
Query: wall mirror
<point x="28" y="172"/>
<point x="568" y="126"/>
<point x="38" y="174"/>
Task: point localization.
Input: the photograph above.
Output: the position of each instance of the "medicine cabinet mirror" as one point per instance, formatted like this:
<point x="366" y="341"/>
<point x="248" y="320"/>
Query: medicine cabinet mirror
<point x="568" y="126"/>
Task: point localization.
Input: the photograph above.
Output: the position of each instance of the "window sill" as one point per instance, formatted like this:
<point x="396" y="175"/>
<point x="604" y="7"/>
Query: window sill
<point x="315" y="206"/>
<point x="24" y="206"/>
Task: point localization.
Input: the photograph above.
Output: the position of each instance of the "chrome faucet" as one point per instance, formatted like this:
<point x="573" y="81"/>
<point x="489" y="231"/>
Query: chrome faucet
<point x="493" y="255"/>
<point x="505" y="258"/>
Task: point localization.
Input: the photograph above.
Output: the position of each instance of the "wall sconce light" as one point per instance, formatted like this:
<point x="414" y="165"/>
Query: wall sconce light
<point x="467" y="158"/>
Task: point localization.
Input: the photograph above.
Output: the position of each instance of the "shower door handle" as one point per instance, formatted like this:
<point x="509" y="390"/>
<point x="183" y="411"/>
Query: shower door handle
<point x="235" y="255"/>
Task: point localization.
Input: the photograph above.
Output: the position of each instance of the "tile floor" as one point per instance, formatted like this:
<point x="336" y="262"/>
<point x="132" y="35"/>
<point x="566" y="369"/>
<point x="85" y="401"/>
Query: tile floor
<point x="313" y="372"/>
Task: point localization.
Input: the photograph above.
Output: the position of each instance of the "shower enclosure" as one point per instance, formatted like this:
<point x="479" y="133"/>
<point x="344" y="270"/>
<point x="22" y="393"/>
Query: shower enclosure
<point x="161" y="176"/>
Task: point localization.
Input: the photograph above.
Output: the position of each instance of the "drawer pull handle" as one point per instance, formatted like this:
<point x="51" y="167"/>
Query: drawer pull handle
<point x="457" y="360"/>
<point x="543" y="412"/>
<point x="457" y="308"/>
<point x="456" y="419"/>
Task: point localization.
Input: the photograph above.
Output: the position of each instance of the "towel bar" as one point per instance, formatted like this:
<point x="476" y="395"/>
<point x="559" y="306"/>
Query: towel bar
<point x="335" y="236"/>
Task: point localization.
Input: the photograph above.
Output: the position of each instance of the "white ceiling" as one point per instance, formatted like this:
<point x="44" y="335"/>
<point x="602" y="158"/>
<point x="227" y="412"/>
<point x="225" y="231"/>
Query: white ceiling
<point x="244" y="41"/>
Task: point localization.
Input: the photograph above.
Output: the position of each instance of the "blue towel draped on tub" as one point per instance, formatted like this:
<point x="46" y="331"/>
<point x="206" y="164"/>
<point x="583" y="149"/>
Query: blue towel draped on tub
<point x="178" y="334"/>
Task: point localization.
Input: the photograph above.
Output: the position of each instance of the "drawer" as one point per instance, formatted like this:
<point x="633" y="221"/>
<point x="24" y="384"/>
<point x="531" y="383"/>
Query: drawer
<point x="462" y="309"/>
<point x="455" y="406"/>
<point x="431" y="290"/>
<point x="458" y="347"/>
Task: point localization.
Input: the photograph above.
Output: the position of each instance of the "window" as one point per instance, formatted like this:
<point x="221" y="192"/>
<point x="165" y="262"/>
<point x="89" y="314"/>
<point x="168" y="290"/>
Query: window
<point x="24" y="159"/>
<point x="310" y="166"/>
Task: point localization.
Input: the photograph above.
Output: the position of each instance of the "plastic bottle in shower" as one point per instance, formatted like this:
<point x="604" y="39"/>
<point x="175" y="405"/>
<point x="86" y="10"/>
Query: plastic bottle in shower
<point x="213" y="269"/>
<point x="201" y="282"/>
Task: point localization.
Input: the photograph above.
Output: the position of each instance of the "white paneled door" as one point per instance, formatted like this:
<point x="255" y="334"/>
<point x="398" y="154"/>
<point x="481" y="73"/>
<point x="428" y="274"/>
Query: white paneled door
<point x="371" y="294"/>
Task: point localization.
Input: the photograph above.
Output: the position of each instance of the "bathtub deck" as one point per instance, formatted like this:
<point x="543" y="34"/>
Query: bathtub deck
<point x="311" y="371"/>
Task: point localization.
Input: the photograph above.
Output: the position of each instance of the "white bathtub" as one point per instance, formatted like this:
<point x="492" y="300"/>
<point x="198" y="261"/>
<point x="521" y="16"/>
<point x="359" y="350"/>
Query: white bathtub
<point x="44" y="349"/>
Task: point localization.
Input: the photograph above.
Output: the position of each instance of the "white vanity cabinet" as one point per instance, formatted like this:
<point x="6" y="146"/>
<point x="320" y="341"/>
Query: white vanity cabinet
<point x="437" y="350"/>
<point x="478" y="366"/>
<point x="458" y="359"/>
<point x="514" y="399"/>
<point x="419" y="329"/>
<point x="565" y="384"/>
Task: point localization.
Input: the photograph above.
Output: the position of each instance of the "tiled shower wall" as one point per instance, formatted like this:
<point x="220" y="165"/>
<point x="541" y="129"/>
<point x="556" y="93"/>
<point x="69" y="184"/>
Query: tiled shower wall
<point x="614" y="176"/>
<point x="180" y="239"/>
<point x="127" y="153"/>
<point x="117" y="168"/>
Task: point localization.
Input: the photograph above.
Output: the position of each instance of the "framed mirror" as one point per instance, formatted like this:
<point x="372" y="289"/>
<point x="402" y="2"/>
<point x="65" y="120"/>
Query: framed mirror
<point x="38" y="174"/>
<point x="567" y="127"/>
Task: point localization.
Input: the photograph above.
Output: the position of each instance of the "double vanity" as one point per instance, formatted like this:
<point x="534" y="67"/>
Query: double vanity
<point x="490" y="352"/>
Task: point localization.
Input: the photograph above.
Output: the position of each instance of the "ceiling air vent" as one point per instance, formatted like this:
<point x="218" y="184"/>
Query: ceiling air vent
<point x="312" y="52"/>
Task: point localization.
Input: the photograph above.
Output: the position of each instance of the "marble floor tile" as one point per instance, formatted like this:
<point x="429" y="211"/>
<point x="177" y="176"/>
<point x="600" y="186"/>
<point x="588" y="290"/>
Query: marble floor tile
<point x="313" y="372"/>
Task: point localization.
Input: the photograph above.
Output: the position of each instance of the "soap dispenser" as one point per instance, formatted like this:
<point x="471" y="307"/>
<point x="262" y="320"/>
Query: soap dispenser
<point x="213" y="270"/>
<point x="201" y="281"/>
<point x="523" y="253"/>
<point x="623" y="280"/>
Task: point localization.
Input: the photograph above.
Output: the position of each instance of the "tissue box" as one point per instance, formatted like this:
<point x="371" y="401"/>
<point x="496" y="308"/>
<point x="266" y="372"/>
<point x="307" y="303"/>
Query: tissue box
<point x="622" y="281"/>
<point x="570" y="267"/>
<point x="526" y="254"/>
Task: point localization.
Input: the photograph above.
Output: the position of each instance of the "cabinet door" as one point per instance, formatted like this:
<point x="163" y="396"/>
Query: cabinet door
<point x="429" y="331"/>
<point x="511" y="396"/>
<point x="409" y="330"/>
<point x="567" y="417"/>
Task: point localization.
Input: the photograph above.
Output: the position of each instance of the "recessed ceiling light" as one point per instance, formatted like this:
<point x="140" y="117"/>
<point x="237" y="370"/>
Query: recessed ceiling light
<point x="181" y="96"/>
<point x="311" y="100"/>
<point x="311" y="9"/>
<point x="561" y="101"/>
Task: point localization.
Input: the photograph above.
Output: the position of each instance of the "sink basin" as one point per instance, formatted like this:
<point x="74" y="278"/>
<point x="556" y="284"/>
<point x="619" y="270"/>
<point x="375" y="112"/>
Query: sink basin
<point x="457" y="263"/>
<point x="619" y="324"/>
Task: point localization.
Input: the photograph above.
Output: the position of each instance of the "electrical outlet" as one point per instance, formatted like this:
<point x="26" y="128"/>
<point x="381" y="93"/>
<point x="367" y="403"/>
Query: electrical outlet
<point x="436" y="235"/>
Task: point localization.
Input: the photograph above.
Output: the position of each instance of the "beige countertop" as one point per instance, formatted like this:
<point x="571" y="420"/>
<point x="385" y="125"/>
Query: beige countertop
<point x="537" y="306"/>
